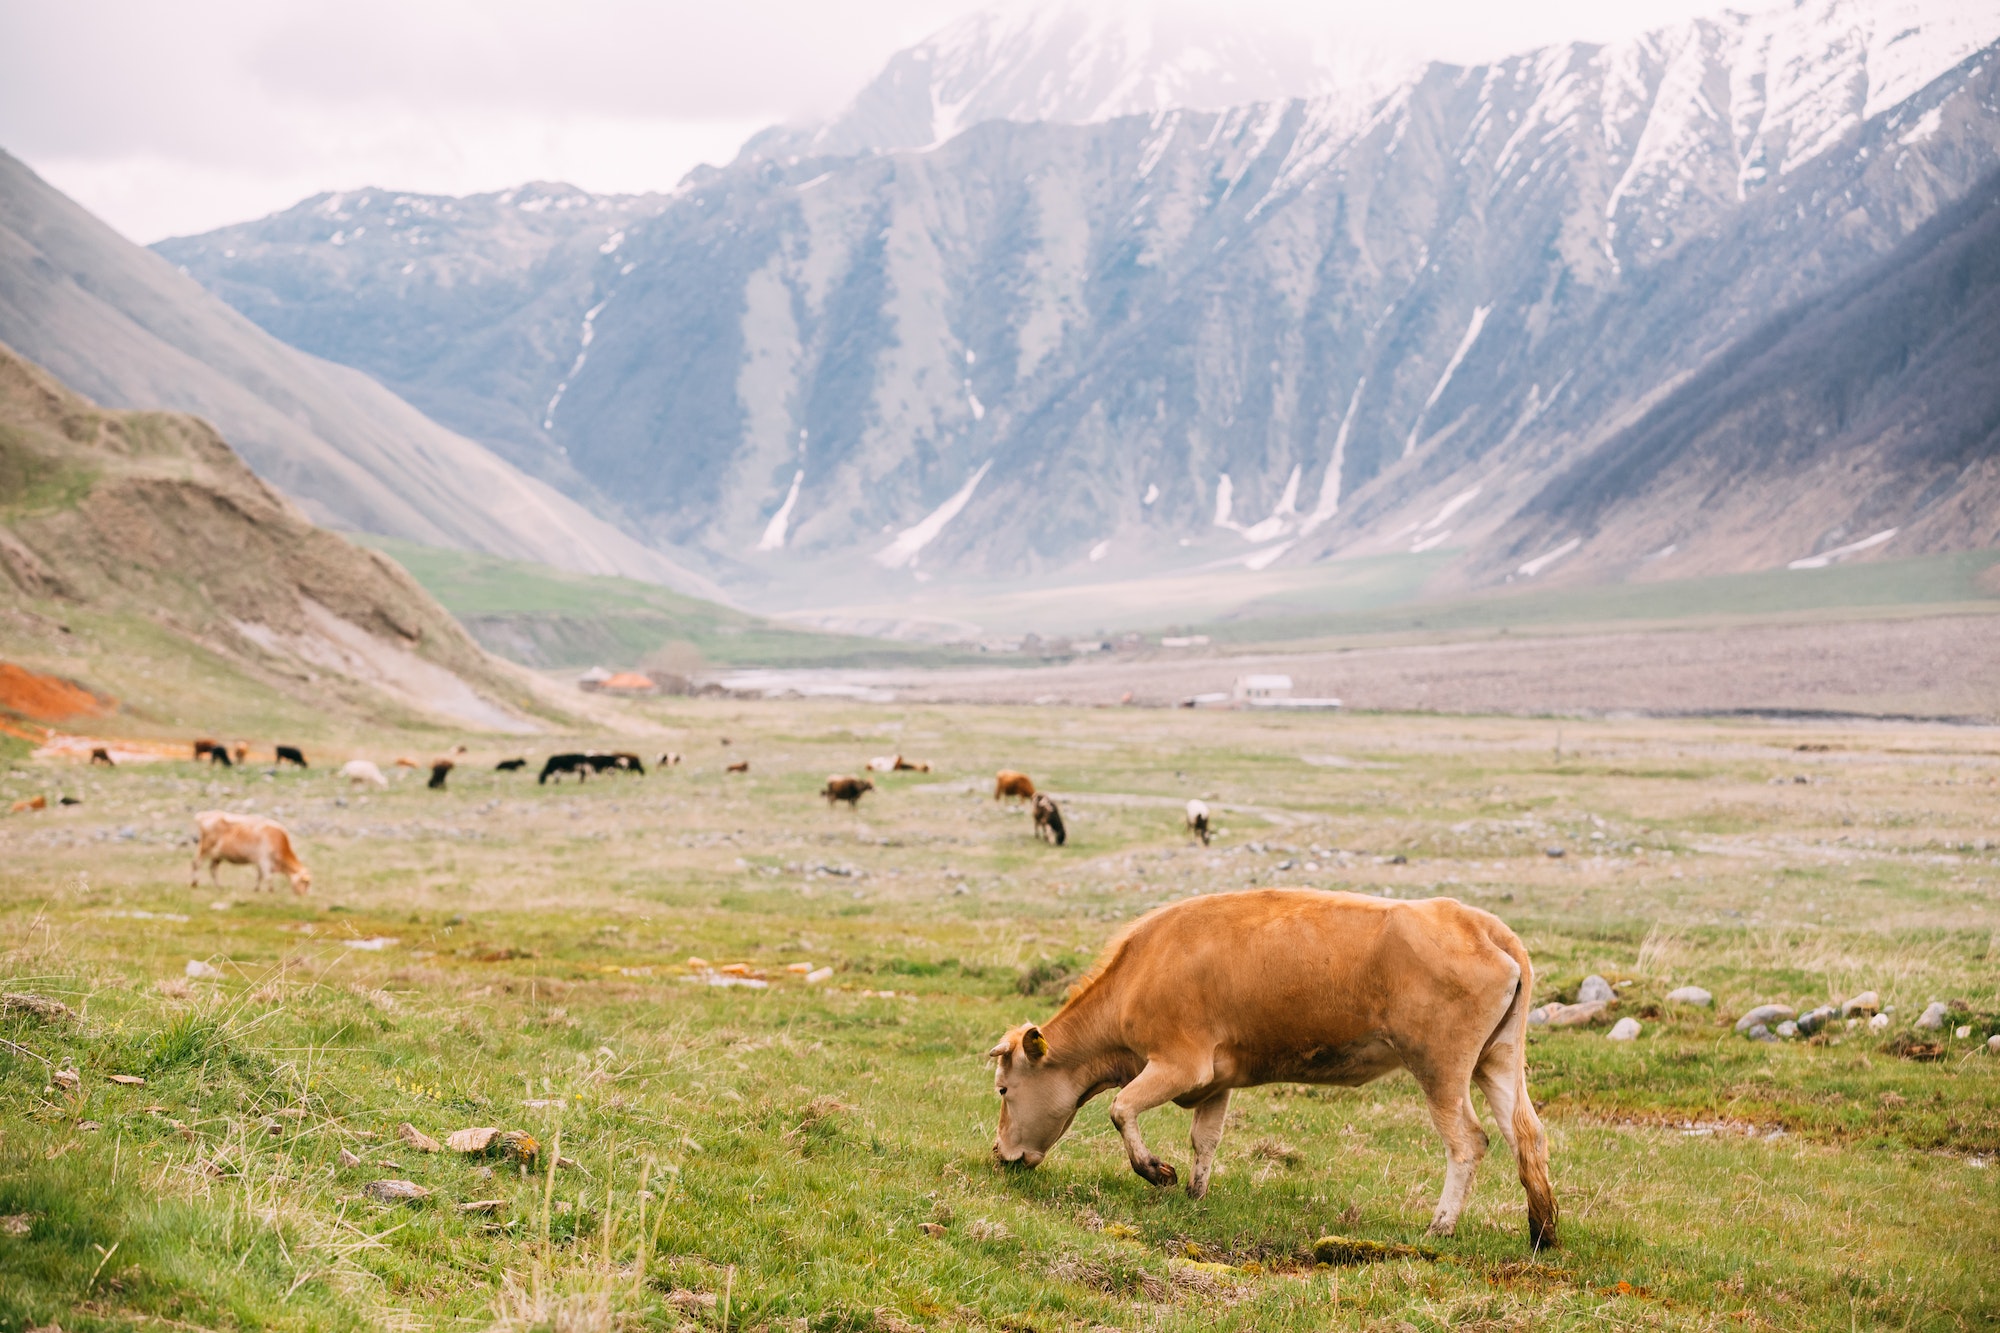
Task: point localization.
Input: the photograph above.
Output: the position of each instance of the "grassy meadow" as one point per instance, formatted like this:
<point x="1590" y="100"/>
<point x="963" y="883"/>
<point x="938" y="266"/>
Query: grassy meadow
<point x="815" y="1155"/>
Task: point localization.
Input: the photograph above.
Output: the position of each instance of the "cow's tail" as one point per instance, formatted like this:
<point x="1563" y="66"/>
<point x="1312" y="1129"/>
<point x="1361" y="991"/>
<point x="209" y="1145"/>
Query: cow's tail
<point x="1531" y="1143"/>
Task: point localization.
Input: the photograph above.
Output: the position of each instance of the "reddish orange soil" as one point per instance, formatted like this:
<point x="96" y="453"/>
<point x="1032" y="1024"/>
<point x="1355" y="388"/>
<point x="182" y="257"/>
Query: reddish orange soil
<point x="47" y="698"/>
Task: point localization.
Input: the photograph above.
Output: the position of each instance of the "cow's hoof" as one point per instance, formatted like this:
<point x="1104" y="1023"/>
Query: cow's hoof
<point x="1197" y="1189"/>
<point x="1440" y="1227"/>
<point x="1156" y="1172"/>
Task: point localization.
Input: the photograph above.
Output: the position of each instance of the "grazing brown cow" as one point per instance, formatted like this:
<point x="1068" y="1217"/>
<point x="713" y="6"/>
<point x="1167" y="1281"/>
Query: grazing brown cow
<point x="30" y="803"/>
<point x="1013" y="786"/>
<point x="840" y="787"/>
<point x="1048" y="820"/>
<point x="912" y="765"/>
<point x="202" y="748"/>
<point x="247" y="840"/>
<point x="1233" y="990"/>
<point x="404" y="761"/>
<point x="100" y="755"/>
<point x="740" y="766"/>
<point x="242" y="752"/>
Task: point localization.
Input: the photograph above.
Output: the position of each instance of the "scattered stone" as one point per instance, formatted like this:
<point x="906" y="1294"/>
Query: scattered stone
<point x="348" y="1159"/>
<point x="931" y="1228"/>
<point x="1576" y="1015"/>
<point x="1595" y="988"/>
<point x="67" y="1079"/>
<point x="17" y="1224"/>
<point x="1625" y="1029"/>
<point x="395" y="1191"/>
<point x="198" y="970"/>
<point x="1693" y="995"/>
<point x="417" y="1139"/>
<point x="483" y="1206"/>
<point x="1868" y="1002"/>
<point x="1765" y="1014"/>
<point x="1817" y="1019"/>
<point x="1788" y="1029"/>
<point x="1554" y="853"/>
<point x="1993" y="1044"/>
<point x="1538" y="1016"/>
<point x="272" y="1126"/>
<point x="511" y="1144"/>
<point x="88" y="1126"/>
<point x="127" y="1080"/>
<point x="1963" y="1032"/>
<point x="1933" y="1016"/>
<point x="1758" y="1032"/>
<point x="1879" y="1022"/>
<point x="817" y="975"/>
<point x="36" y="1006"/>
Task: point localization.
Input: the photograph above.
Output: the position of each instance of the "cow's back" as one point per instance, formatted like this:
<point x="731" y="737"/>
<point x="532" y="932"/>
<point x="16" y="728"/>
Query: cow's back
<point x="1271" y="972"/>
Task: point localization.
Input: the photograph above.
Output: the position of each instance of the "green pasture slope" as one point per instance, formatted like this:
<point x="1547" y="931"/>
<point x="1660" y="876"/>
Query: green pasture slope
<point x="546" y="617"/>
<point x="815" y="1156"/>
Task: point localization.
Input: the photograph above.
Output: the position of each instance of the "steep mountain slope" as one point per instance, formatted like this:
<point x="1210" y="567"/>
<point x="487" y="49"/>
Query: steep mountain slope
<point x="1258" y="335"/>
<point x="126" y="328"/>
<point x="149" y="517"/>
<point x="1865" y="420"/>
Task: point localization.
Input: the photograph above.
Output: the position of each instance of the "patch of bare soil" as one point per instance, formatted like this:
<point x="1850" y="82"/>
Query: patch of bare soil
<point x="1934" y="667"/>
<point x="40" y="698"/>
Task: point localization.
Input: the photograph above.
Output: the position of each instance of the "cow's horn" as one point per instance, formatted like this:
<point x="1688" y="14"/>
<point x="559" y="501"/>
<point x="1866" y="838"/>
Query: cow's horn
<point x="998" y="1051"/>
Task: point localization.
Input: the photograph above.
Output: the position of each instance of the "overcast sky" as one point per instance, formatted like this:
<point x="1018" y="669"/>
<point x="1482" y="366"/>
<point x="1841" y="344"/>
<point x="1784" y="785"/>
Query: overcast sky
<point x="168" y="119"/>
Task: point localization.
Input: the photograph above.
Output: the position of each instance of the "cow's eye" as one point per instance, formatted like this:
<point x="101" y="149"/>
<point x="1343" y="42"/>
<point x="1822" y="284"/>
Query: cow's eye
<point x="1003" y="1092"/>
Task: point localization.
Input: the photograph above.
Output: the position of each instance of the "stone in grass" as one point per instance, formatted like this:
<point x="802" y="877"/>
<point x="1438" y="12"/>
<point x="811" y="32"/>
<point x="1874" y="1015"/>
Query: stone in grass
<point x="67" y="1079"/>
<point x="1625" y="1029"/>
<point x="1693" y="995"/>
<point x="1538" y="1016"/>
<point x="483" y="1206"/>
<point x="348" y="1159"/>
<point x="199" y="970"/>
<point x="1595" y="988"/>
<point x="1933" y="1016"/>
<point x="1879" y="1022"/>
<point x="39" y="1007"/>
<point x="1993" y="1044"/>
<point x="395" y="1191"/>
<point x="417" y="1139"/>
<point x="1765" y="1015"/>
<point x="487" y="1141"/>
<point x="1817" y="1019"/>
<point x="1575" y="1015"/>
<point x="1868" y="1002"/>
<point x="1788" y="1029"/>
<point x="1758" y="1032"/>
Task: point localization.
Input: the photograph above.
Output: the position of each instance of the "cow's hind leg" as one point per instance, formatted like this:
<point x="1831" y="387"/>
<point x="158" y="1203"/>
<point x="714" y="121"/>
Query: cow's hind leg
<point x="1156" y="1085"/>
<point x="1209" y="1118"/>
<point x="1450" y="1098"/>
<point x="1499" y="1077"/>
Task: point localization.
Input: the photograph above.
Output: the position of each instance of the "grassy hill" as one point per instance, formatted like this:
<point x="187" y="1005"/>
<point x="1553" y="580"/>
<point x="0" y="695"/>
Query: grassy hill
<point x="544" y="617"/>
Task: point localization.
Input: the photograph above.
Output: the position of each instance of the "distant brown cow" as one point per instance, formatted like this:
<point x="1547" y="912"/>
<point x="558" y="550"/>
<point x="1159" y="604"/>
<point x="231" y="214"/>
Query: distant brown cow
<point x="100" y="755"/>
<point x="246" y="840"/>
<point x="202" y="748"/>
<point x="740" y="766"/>
<point x="1048" y="820"/>
<point x="912" y="765"/>
<point x="31" y="803"/>
<point x="1013" y="786"/>
<point x="839" y="787"/>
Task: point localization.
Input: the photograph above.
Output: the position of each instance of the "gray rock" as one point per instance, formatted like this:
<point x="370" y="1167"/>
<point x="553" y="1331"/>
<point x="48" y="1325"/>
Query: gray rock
<point x="1764" y="1015"/>
<point x="1593" y="988"/>
<point x="1867" y="1002"/>
<point x="1538" y="1016"/>
<point x="1576" y="1015"/>
<point x="1817" y="1019"/>
<point x="1933" y="1016"/>
<point x="1788" y="1029"/>
<point x="1877" y="1023"/>
<point x="1693" y="995"/>
<point x="1625" y="1029"/>
<point x="1758" y="1032"/>
<point x="1993" y="1044"/>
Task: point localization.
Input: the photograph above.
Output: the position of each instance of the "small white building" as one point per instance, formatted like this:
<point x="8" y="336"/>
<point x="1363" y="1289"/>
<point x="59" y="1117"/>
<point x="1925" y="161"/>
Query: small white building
<point x="1249" y="689"/>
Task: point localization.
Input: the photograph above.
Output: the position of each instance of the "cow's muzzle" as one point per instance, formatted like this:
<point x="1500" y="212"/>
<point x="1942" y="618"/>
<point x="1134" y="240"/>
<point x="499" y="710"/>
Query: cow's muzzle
<point x="1025" y="1160"/>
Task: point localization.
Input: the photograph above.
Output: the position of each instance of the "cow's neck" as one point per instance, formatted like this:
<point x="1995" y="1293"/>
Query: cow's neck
<point x="1085" y="1038"/>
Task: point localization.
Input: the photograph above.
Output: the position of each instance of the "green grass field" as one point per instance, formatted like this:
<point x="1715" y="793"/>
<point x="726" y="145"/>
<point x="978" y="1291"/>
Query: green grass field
<point x="815" y="1156"/>
<point x="553" y="618"/>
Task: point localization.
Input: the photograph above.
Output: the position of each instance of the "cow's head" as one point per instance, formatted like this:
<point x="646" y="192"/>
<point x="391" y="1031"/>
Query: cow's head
<point x="1038" y="1097"/>
<point x="302" y="881"/>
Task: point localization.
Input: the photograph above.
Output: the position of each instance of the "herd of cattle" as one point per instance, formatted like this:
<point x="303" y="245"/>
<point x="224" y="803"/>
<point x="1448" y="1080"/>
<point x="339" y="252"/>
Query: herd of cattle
<point x="1191" y="1001"/>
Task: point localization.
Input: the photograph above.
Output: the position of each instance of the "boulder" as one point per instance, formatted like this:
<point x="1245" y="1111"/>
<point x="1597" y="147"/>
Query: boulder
<point x="1765" y="1015"/>
<point x="1817" y="1019"/>
<point x="1625" y="1029"/>
<point x="1595" y="988"/>
<point x="1693" y="995"/>
<point x="1933" y="1016"/>
<point x="1867" y="1002"/>
<point x="1758" y="1032"/>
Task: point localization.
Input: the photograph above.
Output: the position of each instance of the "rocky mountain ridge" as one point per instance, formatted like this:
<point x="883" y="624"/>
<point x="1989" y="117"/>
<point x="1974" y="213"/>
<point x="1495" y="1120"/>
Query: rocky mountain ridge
<point x="1273" y="333"/>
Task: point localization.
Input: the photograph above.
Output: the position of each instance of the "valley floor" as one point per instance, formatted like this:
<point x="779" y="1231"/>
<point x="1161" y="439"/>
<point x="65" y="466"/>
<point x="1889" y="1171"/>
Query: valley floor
<point x="815" y="1154"/>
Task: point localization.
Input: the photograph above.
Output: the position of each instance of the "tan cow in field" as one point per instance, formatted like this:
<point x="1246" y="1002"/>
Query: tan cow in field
<point x="1233" y="990"/>
<point x="841" y="787"/>
<point x="1013" y="786"/>
<point x="246" y="840"/>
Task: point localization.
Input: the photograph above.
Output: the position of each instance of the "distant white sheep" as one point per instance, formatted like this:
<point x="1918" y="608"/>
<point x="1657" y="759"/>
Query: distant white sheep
<point x="360" y="771"/>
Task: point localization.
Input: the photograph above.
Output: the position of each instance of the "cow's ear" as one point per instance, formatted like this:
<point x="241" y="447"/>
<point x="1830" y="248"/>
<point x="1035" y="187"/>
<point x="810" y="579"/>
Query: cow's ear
<point x="1034" y="1043"/>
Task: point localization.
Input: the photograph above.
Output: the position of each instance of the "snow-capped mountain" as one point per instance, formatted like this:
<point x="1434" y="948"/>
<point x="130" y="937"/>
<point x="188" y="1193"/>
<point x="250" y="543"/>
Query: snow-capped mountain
<point x="1077" y="62"/>
<point x="1272" y="332"/>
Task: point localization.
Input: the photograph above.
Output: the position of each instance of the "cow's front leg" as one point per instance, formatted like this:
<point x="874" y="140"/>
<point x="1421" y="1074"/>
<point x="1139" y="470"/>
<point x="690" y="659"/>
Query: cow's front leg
<point x="1156" y="1085"/>
<point x="1209" y="1118"/>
